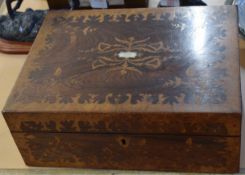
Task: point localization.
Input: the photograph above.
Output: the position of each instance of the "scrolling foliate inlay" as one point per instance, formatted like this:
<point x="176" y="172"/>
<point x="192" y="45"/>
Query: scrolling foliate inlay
<point x="156" y="58"/>
<point x="127" y="56"/>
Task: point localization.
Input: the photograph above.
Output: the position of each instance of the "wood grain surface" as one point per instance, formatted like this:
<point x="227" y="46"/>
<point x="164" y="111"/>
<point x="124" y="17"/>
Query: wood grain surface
<point x="184" y="123"/>
<point x="137" y="152"/>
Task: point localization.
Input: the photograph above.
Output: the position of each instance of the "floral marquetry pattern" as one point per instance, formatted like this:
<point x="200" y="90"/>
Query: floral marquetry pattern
<point x="151" y="58"/>
<point x="111" y="55"/>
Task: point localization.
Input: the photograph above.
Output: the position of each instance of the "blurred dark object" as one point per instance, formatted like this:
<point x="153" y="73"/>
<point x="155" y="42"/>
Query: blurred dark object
<point x="229" y="2"/>
<point x="23" y="27"/>
<point x="169" y="3"/>
<point x="66" y="4"/>
<point x="135" y="3"/>
<point x="192" y="3"/>
<point x="58" y="4"/>
<point x="241" y="11"/>
<point x="12" y="10"/>
<point x="74" y="4"/>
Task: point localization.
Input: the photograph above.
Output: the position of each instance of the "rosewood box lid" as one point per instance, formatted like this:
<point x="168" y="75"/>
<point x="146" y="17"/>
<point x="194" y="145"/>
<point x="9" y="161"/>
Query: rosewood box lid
<point x="144" y="70"/>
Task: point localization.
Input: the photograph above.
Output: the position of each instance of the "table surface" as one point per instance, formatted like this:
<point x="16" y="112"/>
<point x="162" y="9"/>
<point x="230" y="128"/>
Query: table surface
<point x="10" y="66"/>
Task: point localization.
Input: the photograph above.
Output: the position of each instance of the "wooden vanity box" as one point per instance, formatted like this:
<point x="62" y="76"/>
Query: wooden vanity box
<point x="135" y="89"/>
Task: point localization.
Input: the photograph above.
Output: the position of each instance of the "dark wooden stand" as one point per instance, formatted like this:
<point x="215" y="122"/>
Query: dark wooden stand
<point x="13" y="47"/>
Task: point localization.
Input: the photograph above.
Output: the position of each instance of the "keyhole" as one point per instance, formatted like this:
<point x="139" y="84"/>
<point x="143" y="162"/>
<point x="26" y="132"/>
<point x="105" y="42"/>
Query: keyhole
<point x="123" y="141"/>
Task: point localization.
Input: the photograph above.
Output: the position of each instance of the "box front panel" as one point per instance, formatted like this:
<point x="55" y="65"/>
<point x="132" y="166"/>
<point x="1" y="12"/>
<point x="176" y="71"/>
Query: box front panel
<point x="204" y="124"/>
<point x="132" y="152"/>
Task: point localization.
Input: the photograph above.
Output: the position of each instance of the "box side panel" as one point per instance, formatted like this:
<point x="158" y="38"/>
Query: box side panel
<point x="131" y="152"/>
<point x="207" y="124"/>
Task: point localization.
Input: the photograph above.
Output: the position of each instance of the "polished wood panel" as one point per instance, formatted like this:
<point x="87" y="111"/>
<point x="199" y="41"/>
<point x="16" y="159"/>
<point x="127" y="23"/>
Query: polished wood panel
<point x="131" y="152"/>
<point x="161" y="78"/>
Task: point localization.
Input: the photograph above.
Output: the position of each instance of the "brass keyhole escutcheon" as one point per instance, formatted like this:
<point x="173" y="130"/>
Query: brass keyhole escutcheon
<point x="123" y="142"/>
